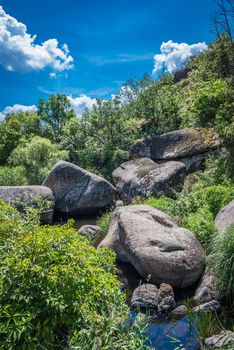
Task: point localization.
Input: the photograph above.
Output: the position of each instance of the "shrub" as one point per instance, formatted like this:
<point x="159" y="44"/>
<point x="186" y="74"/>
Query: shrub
<point x="202" y="224"/>
<point x="11" y="222"/>
<point x="55" y="290"/>
<point x="12" y="176"/>
<point x="222" y="261"/>
<point x="196" y="210"/>
<point x="104" y="222"/>
<point x="37" y="157"/>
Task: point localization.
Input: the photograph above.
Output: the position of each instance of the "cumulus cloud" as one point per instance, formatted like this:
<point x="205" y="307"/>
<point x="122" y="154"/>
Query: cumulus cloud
<point x="174" y="55"/>
<point x="16" y="109"/>
<point x="81" y="103"/>
<point x="18" y="51"/>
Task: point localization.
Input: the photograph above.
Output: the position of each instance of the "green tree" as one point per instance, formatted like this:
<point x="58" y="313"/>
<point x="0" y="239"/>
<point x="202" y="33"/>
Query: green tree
<point x="54" y="114"/>
<point x="15" y="128"/>
<point x="37" y="157"/>
<point x="157" y="106"/>
<point x="101" y="139"/>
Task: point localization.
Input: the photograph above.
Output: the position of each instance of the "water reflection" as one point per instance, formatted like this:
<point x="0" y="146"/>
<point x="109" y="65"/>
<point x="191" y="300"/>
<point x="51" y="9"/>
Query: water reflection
<point x="163" y="334"/>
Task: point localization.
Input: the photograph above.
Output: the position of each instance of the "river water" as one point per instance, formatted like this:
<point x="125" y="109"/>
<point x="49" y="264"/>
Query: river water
<point x="162" y="334"/>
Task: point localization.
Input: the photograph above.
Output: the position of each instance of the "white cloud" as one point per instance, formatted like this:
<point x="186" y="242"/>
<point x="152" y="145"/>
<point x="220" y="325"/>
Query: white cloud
<point x="16" y="109"/>
<point x="174" y="56"/>
<point x="53" y="75"/>
<point x="18" y="51"/>
<point x="81" y="103"/>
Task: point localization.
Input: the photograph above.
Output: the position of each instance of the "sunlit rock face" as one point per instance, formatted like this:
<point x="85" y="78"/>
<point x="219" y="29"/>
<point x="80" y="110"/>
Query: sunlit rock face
<point x="143" y="177"/>
<point x="78" y="191"/>
<point x="189" y="146"/>
<point x="225" y="217"/>
<point x="155" y="245"/>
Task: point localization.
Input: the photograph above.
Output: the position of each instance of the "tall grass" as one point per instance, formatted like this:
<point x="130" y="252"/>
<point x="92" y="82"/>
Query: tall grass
<point x="222" y="261"/>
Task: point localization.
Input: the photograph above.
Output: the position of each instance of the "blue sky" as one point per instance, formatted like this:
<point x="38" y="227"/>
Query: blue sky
<point x="108" y="41"/>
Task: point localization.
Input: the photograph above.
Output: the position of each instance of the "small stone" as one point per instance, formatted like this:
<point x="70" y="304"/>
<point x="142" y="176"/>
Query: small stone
<point x="166" y="298"/>
<point x="178" y="312"/>
<point x="119" y="203"/>
<point x="145" y="297"/>
<point x="225" y="338"/>
<point x="91" y="231"/>
<point x="211" y="306"/>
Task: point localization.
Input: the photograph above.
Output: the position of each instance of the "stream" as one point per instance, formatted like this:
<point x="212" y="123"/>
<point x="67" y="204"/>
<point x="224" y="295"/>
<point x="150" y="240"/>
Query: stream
<point x="162" y="334"/>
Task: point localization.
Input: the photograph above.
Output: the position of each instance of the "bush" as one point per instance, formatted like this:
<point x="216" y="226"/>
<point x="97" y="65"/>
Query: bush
<point x="57" y="290"/>
<point x="222" y="261"/>
<point x="37" y="157"/>
<point x="9" y="222"/>
<point x="196" y="210"/>
<point x="104" y="222"/>
<point x="12" y="176"/>
<point x="201" y="223"/>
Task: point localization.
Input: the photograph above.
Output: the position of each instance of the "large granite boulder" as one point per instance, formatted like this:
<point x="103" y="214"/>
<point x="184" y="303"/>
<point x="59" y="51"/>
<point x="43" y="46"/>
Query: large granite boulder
<point x="143" y="177"/>
<point x="29" y="196"/>
<point x="189" y="146"/>
<point x="78" y="191"/>
<point x="225" y="217"/>
<point x="154" y="244"/>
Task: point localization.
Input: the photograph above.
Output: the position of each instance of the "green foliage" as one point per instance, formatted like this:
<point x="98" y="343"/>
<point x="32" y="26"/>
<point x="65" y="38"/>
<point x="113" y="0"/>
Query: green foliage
<point x="222" y="261"/>
<point x="58" y="291"/>
<point x="12" y="176"/>
<point x="205" y="323"/>
<point x="104" y="222"/>
<point x="54" y="114"/>
<point x="196" y="210"/>
<point x="15" y="128"/>
<point x="37" y="157"/>
<point x="103" y="137"/>
<point x="205" y="101"/>
<point x="158" y="106"/>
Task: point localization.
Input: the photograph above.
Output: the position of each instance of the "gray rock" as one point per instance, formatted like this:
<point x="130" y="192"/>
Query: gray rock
<point x="119" y="203"/>
<point x="178" y="312"/>
<point x="143" y="177"/>
<point x="211" y="306"/>
<point x="166" y="298"/>
<point x="220" y="341"/>
<point x="206" y="290"/>
<point x="21" y="196"/>
<point x="145" y="297"/>
<point x="78" y="191"/>
<point x="93" y="232"/>
<point x="188" y="145"/>
<point x="154" y="244"/>
<point x="225" y="217"/>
